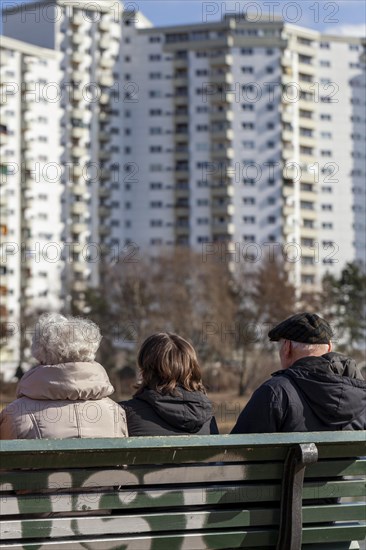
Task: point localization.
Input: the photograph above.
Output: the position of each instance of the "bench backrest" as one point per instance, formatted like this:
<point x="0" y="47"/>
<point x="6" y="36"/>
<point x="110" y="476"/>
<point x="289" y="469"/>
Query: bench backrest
<point x="170" y="493"/>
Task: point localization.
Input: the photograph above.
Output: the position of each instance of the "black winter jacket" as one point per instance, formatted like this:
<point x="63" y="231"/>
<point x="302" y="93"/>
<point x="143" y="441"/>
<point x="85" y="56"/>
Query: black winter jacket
<point x="152" y="413"/>
<point x="314" y="394"/>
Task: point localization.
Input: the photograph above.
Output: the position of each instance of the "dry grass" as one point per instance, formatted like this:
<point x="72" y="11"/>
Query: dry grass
<point x="227" y="407"/>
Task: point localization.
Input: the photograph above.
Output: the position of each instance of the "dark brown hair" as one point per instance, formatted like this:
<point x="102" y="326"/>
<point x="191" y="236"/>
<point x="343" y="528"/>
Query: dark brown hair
<point x="167" y="361"/>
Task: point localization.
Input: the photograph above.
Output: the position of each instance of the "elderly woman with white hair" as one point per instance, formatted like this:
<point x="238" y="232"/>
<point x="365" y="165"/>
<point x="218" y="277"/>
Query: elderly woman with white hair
<point x="66" y="396"/>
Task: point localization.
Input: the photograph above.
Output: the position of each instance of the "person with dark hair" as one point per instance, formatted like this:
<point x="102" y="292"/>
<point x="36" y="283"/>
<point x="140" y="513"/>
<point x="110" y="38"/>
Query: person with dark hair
<point x="316" y="390"/>
<point x="171" y="398"/>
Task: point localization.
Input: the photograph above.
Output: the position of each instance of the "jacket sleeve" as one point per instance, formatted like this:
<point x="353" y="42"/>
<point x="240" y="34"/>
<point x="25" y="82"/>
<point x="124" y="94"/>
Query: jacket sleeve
<point x="8" y="428"/>
<point x="263" y="413"/>
<point x="123" y="420"/>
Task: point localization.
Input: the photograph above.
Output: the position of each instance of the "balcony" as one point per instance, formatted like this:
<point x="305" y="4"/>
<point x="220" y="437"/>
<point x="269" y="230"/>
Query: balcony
<point x="77" y="57"/>
<point x="307" y="141"/>
<point x="287" y="79"/>
<point x="224" y="59"/>
<point x="106" y="62"/>
<point x="79" y="227"/>
<point x="286" y="61"/>
<point x="306" y="68"/>
<point x="79" y="132"/>
<point x="77" y="95"/>
<point x="288" y="154"/>
<point x="222" y="228"/>
<point x="79" y="286"/>
<point x="104" y="154"/>
<point x="78" y="19"/>
<point x="105" y="25"/>
<point x="104" y="191"/>
<point x="287" y="115"/>
<point x="79" y="151"/>
<point x="221" y="78"/>
<point x="77" y="171"/>
<point x="181" y="118"/>
<point x="308" y="177"/>
<point x="77" y="38"/>
<point x="180" y="80"/>
<point x="223" y="134"/>
<point x="81" y="189"/>
<point x="104" y="99"/>
<point x="104" y="43"/>
<point x="226" y="115"/>
<point x="287" y="135"/>
<point x="181" y="154"/>
<point x="104" y="114"/>
<point x="106" y="80"/>
<point x="222" y="209"/>
<point x="181" y="193"/>
<point x="104" y="211"/>
<point x="305" y="49"/>
<point x="223" y="97"/>
<point x="104" y="230"/>
<point x="222" y="172"/>
<point x="79" y="208"/>
<point x="182" y="172"/>
<point x="182" y="230"/>
<point x="78" y="113"/>
<point x="105" y="174"/>
<point x="222" y="191"/>
<point x="103" y="135"/>
<point x="222" y="153"/>
<point x="80" y="267"/>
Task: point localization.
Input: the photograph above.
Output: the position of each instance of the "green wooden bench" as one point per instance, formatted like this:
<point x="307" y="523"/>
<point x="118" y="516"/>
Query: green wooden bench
<point x="170" y="493"/>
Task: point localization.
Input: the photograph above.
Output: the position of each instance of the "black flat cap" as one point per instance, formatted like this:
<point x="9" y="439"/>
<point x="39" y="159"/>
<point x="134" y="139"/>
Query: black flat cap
<point x="308" y="328"/>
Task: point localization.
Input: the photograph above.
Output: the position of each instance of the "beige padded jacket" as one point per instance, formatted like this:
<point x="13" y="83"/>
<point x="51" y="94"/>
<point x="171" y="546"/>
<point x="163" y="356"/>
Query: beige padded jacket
<point x="63" y="401"/>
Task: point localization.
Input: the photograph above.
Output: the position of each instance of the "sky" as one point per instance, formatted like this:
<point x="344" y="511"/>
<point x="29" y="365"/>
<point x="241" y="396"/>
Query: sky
<point x="335" y="17"/>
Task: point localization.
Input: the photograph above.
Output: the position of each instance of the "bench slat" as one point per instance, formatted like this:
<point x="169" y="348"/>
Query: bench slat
<point x="196" y="541"/>
<point x="173" y="450"/>
<point x="46" y="479"/>
<point x="187" y="496"/>
<point x="78" y="477"/>
<point x="129" y="524"/>
<point x="336" y="533"/>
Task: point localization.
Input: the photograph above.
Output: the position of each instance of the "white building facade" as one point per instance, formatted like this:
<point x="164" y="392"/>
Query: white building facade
<point x="235" y="138"/>
<point x="31" y="262"/>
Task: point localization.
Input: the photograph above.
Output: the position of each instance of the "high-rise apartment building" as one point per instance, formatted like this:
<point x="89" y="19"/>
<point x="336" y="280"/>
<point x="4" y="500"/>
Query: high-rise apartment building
<point x="87" y="81"/>
<point x="30" y="190"/>
<point x="234" y="136"/>
<point x="247" y="134"/>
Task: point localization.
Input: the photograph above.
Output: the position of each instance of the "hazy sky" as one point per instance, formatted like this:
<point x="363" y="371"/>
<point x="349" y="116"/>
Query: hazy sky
<point x="341" y="17"/>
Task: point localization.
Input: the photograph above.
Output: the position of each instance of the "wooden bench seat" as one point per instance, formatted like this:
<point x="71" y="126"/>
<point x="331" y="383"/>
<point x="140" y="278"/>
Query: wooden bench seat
<point x="185" y="493"/>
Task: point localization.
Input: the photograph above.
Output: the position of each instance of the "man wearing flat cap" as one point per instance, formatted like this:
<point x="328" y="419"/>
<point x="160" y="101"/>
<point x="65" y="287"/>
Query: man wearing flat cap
<point x="316" y="389"/>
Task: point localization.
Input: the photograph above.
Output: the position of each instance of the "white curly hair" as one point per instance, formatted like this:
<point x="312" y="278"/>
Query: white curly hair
<point x="59" y="339"/>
